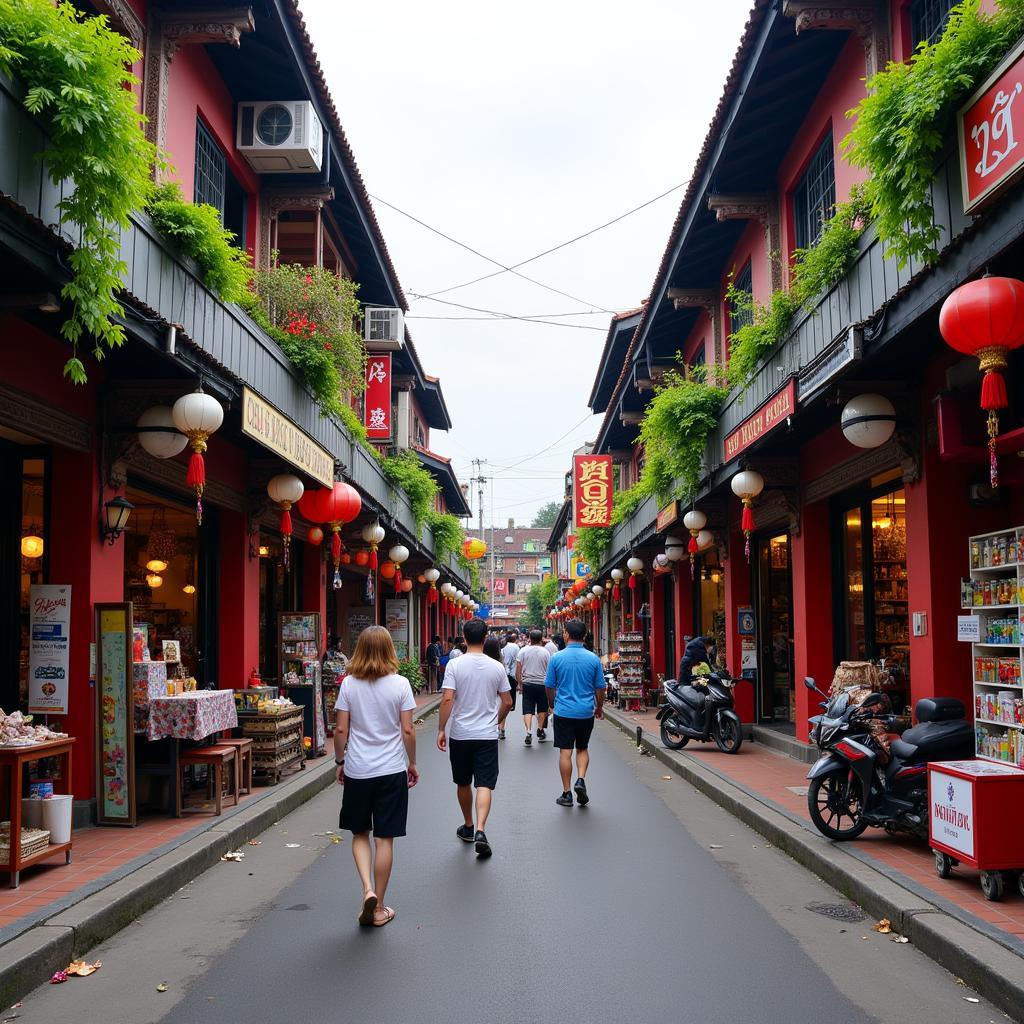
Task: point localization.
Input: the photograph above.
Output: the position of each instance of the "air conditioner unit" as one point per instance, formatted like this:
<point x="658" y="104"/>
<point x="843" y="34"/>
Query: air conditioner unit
<point x="280" y="136"/>
<point x="383" y="328"/>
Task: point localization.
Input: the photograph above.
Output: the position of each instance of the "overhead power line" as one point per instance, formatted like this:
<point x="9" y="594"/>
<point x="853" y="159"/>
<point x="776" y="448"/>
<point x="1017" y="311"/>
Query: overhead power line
<point x="496" y="315"/>
<point x="535" y="455"/>
<point x="562" y="245"/>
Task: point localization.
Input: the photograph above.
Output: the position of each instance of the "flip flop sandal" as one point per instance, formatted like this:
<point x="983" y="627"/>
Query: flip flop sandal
<point x="369" y="906"/>
<point x="387" y="920"/>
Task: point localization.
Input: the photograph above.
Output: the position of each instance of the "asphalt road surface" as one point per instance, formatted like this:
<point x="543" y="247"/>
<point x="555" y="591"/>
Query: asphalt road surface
<point x="651" y="904"/>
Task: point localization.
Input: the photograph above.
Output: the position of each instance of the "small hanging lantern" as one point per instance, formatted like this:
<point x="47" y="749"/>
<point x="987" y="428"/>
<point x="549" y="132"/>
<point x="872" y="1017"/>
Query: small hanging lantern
<point x="636" y="568"/>
<point x="361" y="557"/>
<point x="617" y="575"/>
<point x="398" y="554"/>
<point x="694" y="521"/>
<point x="334" y="507"/>
<point x="431" y="576"/>
<point x="157" y="433"/>
<point x="197" y="416"/>
<point x="406" y="586"/>
<point x="474" y="548"/>
<point x="747" y="485"/>
<point x="868" y="421"/>
<point x="597" y="590"/>
<point x="705" y="540"/>
<point x="315" y="536"/>
<point x="286" y="490"/>
<point x="985" y="318"/>
<point x="373" y="534"/>
<point x="388" y="569"/>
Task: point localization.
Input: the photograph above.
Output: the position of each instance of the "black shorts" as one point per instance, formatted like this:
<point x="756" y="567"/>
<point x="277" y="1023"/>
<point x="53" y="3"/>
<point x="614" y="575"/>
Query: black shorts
<point x="379" y="805"/>
<point x="535" y="698"/>
<point x="474" y="761"/>
<point x="573" y="732"/>
<point x="513" y="684"/>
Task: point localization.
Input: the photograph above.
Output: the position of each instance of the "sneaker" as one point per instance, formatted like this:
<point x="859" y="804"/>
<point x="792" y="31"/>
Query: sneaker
<point x="483" y="848"/>
<point x="465" y="833"/>
<point x="529" y="740"/>
<point x="581" y="792"/>
<point x="501" y="734"/>
<point x="542" y="735"/>
<point x="565" y="800"/>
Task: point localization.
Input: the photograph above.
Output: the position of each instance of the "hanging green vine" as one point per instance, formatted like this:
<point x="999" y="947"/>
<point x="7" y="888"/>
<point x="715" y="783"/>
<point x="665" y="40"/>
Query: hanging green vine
<point x="76" y="73"/>
<point x="448" y="535"/>
<point x="404" y="470"/>
<point x="906" y="117"/>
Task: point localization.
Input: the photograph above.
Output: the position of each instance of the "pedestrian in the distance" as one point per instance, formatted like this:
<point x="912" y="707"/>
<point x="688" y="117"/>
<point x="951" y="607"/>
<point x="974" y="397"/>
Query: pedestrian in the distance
<point x="375" y="754"/>
<point x="433" y="653"/>
<point x="575" y="685"/>
<point x="509" y="654"/>
<point x="531" y="674"/>
<point x="549" y="645"/>
<point x="475" y="704"/>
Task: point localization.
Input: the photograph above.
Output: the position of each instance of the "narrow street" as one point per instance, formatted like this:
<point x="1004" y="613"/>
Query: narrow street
<point x="652" y="903"/>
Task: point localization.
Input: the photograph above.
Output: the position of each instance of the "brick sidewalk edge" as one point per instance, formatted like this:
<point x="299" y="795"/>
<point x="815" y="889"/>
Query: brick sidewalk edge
<point x="30" y="958"/>
<point x="983" y="962"/>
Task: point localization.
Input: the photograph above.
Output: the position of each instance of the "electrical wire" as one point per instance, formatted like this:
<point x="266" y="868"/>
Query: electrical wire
<point x="562" y="245"/>
<point x="550" y="446"/>
<point x="497" y="263"/>
<point x="497" y="315"/>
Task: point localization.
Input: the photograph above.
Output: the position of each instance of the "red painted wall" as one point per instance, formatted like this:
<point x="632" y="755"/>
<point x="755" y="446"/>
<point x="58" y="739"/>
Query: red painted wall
<point x="737" y="594"/>
<point x="700" y="334"/>
<point x="753" y="248"/>
<point x="239" y="612"/>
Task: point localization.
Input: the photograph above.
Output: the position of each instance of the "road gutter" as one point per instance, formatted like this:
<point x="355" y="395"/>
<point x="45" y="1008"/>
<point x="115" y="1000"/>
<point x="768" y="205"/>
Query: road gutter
<point x="29" y="957"/>
<point x="961" y="944"/>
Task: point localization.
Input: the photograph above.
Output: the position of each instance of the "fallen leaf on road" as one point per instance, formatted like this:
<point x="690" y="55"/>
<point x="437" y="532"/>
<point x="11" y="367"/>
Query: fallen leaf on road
<point x="961" y="982"/>
<point x="336" y="839"/>
<point x="233" y="855"/>
<point x="884" y="926"/>
<point x="162" y="987"/>
<point x="16" y="1006"/>
<point x="292" y="846"/>
<point x="80" y="969"/>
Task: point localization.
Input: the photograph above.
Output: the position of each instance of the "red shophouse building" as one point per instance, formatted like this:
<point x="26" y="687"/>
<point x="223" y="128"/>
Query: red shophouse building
<point x="858" y="553"/>
<point x="206" y="77"/>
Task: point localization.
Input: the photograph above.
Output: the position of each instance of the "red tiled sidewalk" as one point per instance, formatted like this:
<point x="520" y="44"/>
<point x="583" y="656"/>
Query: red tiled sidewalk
<point x="103" y="854"/>
<point x="773" y="777"/>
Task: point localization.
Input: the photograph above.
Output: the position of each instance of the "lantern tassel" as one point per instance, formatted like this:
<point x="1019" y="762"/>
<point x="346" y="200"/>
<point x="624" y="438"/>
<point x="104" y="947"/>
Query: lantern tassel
<point x="286" y="522"/>
<point x="196" y="479"/>
<point x="398" y="581"/>
<point x="616" y="593"/>
<point x="336" y="548"/>
<point x="632" y="582"/>
<point x="693" y="566"/>
<point x="993" y="391"/>
<point x="747" y="524"/>
<point x="692" y="546"/>
<point x="373" y="558"/>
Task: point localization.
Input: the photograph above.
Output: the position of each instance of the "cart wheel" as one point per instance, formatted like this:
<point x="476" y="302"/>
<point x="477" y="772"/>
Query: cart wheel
<point x="943" y="864"/>
<point x="992" y="885"/>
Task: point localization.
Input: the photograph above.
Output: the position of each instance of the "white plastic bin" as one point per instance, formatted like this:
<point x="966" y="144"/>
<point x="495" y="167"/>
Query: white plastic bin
<point x="32" y="812"/>
<point x="57" y="817"/>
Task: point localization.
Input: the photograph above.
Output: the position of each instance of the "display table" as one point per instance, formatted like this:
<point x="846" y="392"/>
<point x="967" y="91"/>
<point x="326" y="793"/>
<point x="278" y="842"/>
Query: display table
<point x="14" y="760"/>
<point x="192" y="716"/>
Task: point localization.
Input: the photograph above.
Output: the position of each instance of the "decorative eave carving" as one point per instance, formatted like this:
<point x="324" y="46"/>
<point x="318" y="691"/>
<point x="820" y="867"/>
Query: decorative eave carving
<point x="274" y="201"/>
<point x="763" y="208"/>
<point x="779" y="508"/>
<point x="869" y="20"/>
<point x="901" y="450"/>
<point x="30" y="415"/>
<point x="123" y="19"/>
<point x="706" y="299"/>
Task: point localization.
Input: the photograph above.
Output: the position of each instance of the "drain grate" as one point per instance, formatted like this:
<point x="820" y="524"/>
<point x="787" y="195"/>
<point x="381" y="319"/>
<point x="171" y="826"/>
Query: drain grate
<point x="837" y="911"/>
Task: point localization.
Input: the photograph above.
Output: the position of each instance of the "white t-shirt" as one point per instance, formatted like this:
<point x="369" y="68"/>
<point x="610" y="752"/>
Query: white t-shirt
<point x="375" y="744"/>
<point x="534" y="660"/>
<point x="551" y="647"/>
<point x="477" y="681"/>
<point x="509" y="655"/>
<point x="455" y="652"/>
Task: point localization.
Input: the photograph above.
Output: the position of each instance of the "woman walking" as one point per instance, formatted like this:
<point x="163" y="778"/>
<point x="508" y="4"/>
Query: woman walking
<point x="373" y="717"/>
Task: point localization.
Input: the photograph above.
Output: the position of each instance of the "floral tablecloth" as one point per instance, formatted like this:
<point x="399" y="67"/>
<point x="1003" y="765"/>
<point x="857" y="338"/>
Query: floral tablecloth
<point x="192" y="716"/>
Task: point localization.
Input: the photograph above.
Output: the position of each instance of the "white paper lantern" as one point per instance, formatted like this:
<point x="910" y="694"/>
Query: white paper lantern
<point x="373" y="533"/>
<point x="634" y="564"/>
<point x="161" y="444"/>
<point x="661" y="560"/>
<point x="398" y="554"/>
<point x="432" y="575"/>
<point x="705" y="540"/>
<point x="285" y="489"/>
<point x="695" y="520"/>
<point x="674" y="548"/>
<point x="597" y="590"/>
<point x="868" y="421"/>
<point x="197" y="416"/>
<point x="617" y="574"/>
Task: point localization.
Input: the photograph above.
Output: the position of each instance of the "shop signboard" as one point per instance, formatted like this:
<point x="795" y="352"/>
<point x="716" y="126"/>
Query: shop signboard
<point x="592" y="490"/>
<point x="990" y="127"/>
<point x="667" y="516"/>
<point x="115" y="712"/>
<point x="580" y="569"/>
<point x="748" y="653"/>
<point x="762" y="421"/>
<point x="396" y="618"/>
<point x="377" y="400"/>
<point x="843" y="351"/>
<point x="49" y="648"/>
<point x="500" y="587"/>
<point x="263" y="423"/>
<point x="968" y="629"/>
<point x="499" y="613"/>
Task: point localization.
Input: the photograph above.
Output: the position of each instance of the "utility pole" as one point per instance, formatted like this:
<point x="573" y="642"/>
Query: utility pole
<point x="480" y="479"/>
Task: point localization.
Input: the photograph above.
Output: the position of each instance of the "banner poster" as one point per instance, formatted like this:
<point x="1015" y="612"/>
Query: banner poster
<point x="377" y="400"/>
<point x="592" y="490"/>
<point x="49" y="648"/>
<point x="396" y="618"/>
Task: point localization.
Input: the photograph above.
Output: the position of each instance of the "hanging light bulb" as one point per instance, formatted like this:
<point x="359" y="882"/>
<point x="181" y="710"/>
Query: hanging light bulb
<point x="156" y="565"/>
<point x="189" y="588"/>
<point x="154" y="580"/>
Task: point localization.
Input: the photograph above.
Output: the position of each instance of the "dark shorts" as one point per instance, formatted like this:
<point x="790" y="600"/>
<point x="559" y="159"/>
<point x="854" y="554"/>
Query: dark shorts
<point x="512" y="683"/>
<point x="535" y="698"/>
<point x="573" y="732"/>
<point x="379" y="805"/>
<point x="474" y="761"/>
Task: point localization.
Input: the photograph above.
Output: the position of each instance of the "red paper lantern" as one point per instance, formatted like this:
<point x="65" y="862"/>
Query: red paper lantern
<point x="985" y="319"/>
<point x="388" y="569"/>
<point x="315" y="536"/>
<point x="334" y="507"/>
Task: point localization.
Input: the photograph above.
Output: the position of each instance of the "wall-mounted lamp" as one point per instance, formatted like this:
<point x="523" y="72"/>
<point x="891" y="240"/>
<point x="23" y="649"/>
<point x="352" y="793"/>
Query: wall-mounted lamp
<point x="115" y="518"/>
<point x="32" y="546"/>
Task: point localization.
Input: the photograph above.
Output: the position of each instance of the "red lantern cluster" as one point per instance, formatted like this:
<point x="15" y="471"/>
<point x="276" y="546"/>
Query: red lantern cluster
<point x="334" y="508"/>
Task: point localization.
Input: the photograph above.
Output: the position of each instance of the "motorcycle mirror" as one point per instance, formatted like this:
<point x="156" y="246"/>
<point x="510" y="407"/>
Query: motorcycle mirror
<point x="809" y="683"/>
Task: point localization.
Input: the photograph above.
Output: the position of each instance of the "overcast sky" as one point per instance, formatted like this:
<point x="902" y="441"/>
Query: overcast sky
<point x="513" y="128"/>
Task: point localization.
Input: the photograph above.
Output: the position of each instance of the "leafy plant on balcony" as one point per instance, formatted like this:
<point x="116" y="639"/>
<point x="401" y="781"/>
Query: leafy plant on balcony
<point x="311" y="313"/>
<point x="76" y="71"/>
<point x="766" y="325"/>
<point x="448" y="535"/>
<point x="404" y="470"/>
<point x="905" y="118"/>
<point x="195" y="229"/>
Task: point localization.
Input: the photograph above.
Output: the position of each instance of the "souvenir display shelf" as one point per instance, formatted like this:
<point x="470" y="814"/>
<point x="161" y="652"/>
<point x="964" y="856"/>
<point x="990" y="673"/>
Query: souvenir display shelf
<point x="276" y="742"/>
<point x="632" y="676"/>
<point x="994" y="592"/>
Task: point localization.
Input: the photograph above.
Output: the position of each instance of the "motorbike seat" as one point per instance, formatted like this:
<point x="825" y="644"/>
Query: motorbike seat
<point x="692" y="696"/>
<point x="935" y="741"/>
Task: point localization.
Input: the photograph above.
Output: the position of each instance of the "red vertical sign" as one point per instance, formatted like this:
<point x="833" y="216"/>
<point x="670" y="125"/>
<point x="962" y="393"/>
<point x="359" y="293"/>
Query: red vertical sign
<point x="377" y="400"/>
<point x="592" y="490"/>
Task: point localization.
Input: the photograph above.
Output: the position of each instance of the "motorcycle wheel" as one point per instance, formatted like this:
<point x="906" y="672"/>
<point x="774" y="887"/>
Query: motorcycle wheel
<point x="828" y="808"/>
<point x="669" y="737"/>
<point x="728" y="735"/>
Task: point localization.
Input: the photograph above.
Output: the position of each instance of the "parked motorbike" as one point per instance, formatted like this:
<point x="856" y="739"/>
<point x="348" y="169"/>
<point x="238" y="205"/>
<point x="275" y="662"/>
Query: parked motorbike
<point x="703" y="712"/>
<point x="851" y="782"/>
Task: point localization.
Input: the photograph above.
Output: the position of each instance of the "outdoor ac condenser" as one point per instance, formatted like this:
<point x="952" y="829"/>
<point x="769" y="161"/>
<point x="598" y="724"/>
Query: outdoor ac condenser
<point x="280" y="136"/>
<point x="383" y="328"/>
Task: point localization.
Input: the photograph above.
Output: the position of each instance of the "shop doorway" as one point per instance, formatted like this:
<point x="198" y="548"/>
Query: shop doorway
<point x="710" y="605"/>
<point x="668" y="585"/>
<point x="873" y="610"/>
<point x="279" y="592"/>
<point x="776" y="692"/>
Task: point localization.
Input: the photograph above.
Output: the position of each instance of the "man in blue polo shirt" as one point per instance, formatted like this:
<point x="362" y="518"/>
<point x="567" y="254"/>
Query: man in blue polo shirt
<point x="575" y="685"/>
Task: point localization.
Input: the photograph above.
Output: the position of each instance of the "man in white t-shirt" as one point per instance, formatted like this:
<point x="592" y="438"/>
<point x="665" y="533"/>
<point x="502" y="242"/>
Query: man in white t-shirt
<point x="509" y="653"/>
<point x="474" y="707"/>
<point x="531" y="671"/>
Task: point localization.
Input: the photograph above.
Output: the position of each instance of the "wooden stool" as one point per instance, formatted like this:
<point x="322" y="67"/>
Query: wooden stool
<point x="217" y="759"/>
<point x="243" y="764"/>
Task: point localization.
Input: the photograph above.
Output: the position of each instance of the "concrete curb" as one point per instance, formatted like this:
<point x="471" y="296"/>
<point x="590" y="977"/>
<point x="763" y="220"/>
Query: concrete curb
<point x="31" y="958"/>
<point x="984" y="963"/>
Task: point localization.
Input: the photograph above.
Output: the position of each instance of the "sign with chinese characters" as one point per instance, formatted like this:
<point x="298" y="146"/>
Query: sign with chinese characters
<point x="377" y="408"/>
<point x="49" y="626"/>
<point x="592" y="490"/>
<point x="115" y="705"/>
<point x="667" y="516"/>
<point x="991" y="130"/>
<point x="263" y="423"/>
<point x="769" y="416"/>
<point x="500" y="587"/>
